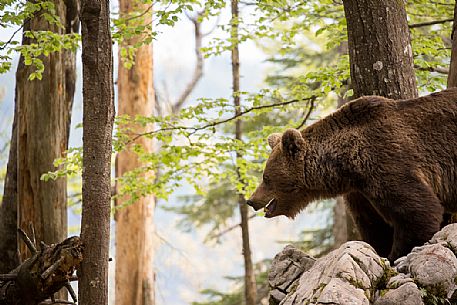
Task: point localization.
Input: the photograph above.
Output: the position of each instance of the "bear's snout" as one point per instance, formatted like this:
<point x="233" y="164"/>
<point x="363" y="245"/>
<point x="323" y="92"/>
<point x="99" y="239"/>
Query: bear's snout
<point x="255" y="205"/>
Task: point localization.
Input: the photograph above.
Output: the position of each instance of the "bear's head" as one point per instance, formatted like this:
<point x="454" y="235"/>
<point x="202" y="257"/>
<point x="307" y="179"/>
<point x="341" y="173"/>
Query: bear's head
<point x="283" y="191"/>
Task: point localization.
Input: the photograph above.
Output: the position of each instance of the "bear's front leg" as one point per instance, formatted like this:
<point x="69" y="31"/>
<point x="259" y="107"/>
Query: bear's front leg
<point x="416" y="215"/>
<point x="372" y="227"/>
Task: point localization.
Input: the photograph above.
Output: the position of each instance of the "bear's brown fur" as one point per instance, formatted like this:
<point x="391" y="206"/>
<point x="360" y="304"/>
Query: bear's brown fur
<point x="395" y="163"/>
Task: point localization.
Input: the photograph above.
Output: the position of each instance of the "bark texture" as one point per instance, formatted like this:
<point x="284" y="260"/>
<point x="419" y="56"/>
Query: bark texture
<point x="380" y="53"/>
<point x="98" y="117"/>
<point x="8" y="209"/>
<point x="380" y="49"/>
<point x="43" y="122"/>
<point x="135" y="279"/>
<point x="250" y="290"/>
<point x="452" y="76"/>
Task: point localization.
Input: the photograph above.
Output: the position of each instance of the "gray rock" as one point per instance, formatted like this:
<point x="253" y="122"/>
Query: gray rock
<point x="447" y="236"/>
<point x="355" y="275"/>
<point x="286" y="269"/>
<point x="406" y="294"/>
<point x="433" y="267"/>
<point x="345" y="276"/>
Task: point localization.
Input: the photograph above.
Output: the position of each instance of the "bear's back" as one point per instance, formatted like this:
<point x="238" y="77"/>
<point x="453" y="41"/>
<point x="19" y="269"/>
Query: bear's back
<point x="415" y="135"/>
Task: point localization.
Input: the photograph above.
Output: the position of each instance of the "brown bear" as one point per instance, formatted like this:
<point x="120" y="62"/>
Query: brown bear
<point x="395" y="163"/>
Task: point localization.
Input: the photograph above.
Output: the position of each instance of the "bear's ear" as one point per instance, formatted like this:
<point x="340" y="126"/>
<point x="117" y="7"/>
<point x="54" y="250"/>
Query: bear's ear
<point x="274" y="139"/>
<point x="292" y="141"/>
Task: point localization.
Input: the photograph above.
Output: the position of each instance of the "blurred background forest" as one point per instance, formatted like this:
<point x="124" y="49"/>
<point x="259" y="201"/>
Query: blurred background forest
<point x="190" y="135"/>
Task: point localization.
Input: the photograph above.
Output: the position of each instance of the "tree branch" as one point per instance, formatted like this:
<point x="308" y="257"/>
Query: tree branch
<point x="432" y="69"/>
<point x="428" y="23"/>
<point x="308" y="113"/>
<point x="198" y="71"/>
<point x="225" y="231"/>
<point x="216" y="123"/>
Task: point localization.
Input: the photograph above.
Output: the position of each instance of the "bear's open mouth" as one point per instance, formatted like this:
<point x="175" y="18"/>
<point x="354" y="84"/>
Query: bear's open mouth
<point x="270" y="208"/>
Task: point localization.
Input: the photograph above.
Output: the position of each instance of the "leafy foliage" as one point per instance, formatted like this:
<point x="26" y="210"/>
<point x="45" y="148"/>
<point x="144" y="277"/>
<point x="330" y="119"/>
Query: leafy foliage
<point x="18" y="15"/>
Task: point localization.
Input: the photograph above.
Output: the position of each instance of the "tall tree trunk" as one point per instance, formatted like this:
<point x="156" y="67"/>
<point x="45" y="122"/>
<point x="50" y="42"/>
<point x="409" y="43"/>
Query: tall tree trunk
<point x="452" y="76"/>
<point x="250" y="290"/>
<point x="135" y="280"/>
<point x="98" y="118"/>
<point x="380" y="49"/>
<point x="43" y="122"/>
<point x="9" y="258"/>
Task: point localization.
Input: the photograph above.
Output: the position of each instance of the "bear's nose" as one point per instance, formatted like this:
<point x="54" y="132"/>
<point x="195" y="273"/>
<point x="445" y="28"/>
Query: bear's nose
<point x="249" y="202"/>
<point x="256" y="206"/>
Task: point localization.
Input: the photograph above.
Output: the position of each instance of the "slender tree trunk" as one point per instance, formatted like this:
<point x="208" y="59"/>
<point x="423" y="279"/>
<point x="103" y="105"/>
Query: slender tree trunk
<point x="452" y="76"/>
<point x="98" y="118"/>
<point x="250" y="289"/>
<point x="380" y="49"/>
<point x="135" y="278"/>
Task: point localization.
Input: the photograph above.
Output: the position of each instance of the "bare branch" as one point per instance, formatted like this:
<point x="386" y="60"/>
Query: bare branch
<point x="428" y="23"/>
<point x="27" y="241"/>
<point x="52" y="268"/>
<point x="72" y="292"/>
<point x="223" y="232"/>
<point x="141" y="14"/>
<point x="433" y="69"/>
<point x="12" y="37"/>
<point x="8" y="277"/>
<point x="308" y="113"/>
<point x="198" y="70"/>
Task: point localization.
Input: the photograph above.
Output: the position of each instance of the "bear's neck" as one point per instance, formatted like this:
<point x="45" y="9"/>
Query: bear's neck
<point x="326" y="171"/>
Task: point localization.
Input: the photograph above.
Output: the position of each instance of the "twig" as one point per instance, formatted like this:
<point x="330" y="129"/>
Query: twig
<point x="140" y="15"/>
<point x="432" y="69"/>
<point x="422" y="24"/>
<point x="72" y="292"/>
<point x="27" y="241"/>
<point x="32" y="231"/>
<point x="218" y="235"/>
<point x="50" y="302"/>
<point x="7" y="277"/>
<point x="52" y="268"/>
<point x="12" y="37"/>
<point x="308" y="114"/>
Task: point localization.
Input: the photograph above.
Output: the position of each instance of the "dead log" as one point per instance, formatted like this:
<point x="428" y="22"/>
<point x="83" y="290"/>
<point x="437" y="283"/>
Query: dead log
<point x="48" y="270"/>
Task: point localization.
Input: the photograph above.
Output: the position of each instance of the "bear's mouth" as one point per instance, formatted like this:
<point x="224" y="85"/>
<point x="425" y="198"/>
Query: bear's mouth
<point x="270" y="208"/>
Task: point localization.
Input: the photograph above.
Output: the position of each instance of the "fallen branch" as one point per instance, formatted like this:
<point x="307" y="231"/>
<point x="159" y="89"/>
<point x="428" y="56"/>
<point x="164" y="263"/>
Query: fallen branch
<point x="37" y="279"/>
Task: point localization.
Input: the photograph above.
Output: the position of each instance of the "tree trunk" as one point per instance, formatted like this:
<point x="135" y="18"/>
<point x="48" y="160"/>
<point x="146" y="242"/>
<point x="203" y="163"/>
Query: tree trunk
<point x="135" y="280"/>
<point x="380" y="49"/>
<point x="98" y="118"/>
<point x="9" y="258"/>
<point x="452" y="76"/>
<point x="250" y="289"/>
<point x="43" y="122"/>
